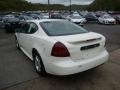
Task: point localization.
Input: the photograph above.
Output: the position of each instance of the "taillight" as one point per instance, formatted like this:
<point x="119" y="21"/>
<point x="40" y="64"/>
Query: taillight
<point x="60" y="50"/>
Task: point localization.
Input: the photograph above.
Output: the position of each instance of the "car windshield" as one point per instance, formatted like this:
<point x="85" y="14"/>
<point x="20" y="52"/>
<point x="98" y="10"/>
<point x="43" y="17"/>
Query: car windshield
<point x="107" y="16"/>
<point x="61" y="28"/>
<point x="76" y="17"/>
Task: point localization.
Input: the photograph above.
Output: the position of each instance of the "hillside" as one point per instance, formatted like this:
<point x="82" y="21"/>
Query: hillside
<point x="17" y="5"/>
<point x="22" y="5"/>
<point x="105" y="5"/>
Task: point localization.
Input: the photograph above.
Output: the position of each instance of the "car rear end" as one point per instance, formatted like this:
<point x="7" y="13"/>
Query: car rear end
<point x="110" y="21"/>
<point x="67" y="53"/>
<point x="79" y="55"/>
<point x="80" y="22"/>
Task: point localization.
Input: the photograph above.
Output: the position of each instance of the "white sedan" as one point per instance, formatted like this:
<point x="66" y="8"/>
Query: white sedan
<point x="106" y="19"/>
<point x="60" y="47"/>
<point x="78" y="20"/>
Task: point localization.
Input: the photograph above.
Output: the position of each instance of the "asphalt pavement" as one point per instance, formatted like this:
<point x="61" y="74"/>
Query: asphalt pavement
<point x="17" y="72"/>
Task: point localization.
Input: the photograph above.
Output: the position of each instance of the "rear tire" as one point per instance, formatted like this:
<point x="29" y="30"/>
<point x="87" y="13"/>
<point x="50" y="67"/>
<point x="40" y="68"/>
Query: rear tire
<point x="38" y="64"/>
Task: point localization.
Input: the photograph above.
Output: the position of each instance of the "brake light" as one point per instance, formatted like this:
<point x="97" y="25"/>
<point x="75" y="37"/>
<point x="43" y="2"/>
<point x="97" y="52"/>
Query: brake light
<point x="60" y="50"/>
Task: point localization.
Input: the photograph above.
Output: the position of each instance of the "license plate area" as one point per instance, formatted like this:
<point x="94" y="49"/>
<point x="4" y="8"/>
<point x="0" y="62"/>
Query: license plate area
<point x="89" y="47"/>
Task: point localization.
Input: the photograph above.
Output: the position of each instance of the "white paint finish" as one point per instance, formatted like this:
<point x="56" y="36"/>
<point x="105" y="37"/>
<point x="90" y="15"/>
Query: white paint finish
<point x="77" y="62"/>
<point x="104" y="20"/>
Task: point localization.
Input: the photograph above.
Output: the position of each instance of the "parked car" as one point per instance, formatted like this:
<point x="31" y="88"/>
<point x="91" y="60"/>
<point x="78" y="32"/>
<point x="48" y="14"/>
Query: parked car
<point x="25" y="17"/>
<point x="100" y="13"/>
<point x="11" y="24"/>
<point x="65" y="15"/>
<point x="8" y="16"/>
<point x="56" y="16"/>
<point x="45" y="15"/>
<point x="36" y="16"/>
<point x="78" y="20"/>
<point x="60" y="47"/>
<point x="91" y="17"/>
<point x="106" y="19"/>
<point x="76" y="13"/>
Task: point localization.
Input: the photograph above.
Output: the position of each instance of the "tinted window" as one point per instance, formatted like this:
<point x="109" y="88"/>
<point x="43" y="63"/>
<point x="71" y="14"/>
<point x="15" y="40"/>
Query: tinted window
<point x="59" y="28"/>
<point x="33" y="28"/>
<point x="25" y="27"/>
<point x="29" y="28"/>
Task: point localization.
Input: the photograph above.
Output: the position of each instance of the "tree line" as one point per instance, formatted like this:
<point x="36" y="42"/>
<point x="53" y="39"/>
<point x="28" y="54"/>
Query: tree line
<point x="22" y="5"/>
<point x="106" y="5"/>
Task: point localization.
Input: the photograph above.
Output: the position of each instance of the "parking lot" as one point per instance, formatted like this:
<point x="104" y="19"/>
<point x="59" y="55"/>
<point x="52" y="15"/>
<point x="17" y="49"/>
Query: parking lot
<point x="17" y="72"/>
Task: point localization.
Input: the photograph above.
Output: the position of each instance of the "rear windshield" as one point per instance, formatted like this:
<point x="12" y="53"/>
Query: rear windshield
<point x="60" y="28"/>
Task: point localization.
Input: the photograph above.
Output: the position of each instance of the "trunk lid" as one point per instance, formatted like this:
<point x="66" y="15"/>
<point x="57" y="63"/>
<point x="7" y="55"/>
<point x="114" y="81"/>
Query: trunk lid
<point x="83" y="46"/>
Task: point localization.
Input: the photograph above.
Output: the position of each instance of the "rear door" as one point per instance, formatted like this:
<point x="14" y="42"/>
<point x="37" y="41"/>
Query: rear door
<point x="22" y="33"/>
<point x="26" y="36"/>
<point x="29" y="37"/>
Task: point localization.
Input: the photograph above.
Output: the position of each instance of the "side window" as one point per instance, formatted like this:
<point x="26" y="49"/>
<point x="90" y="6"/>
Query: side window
<point x="29" y="28"/>
<point x="33" y="28"/>
<point x="25" y="27"/>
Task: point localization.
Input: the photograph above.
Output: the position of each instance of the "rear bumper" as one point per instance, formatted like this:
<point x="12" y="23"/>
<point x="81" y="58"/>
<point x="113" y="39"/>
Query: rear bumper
<point x="67" y="67"/>
<point x="112" y="22"/>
